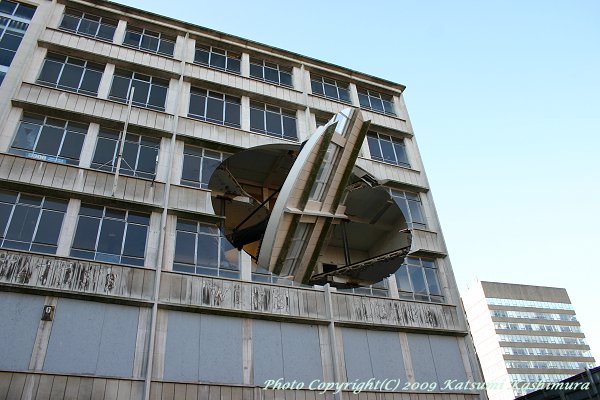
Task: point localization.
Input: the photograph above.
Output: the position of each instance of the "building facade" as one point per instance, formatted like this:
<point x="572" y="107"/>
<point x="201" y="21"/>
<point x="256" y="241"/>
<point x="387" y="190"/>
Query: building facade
<point x="525" y="334"/>
<point x="115" y="279"/>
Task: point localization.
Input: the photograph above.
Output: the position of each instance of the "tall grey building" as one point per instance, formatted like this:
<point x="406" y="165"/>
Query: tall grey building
<point x="116" y="281"/>
<point x="524" y="334"/>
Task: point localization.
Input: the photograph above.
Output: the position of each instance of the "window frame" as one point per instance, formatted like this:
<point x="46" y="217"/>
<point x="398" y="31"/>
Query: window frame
<point x="420" y="265"/>
<point x="194" y="151"/>
<point x="274" y="110"/>
<point x="410" y="198"/>
<point x="16" y="25"/>
<point x="227" y="101"/>
<point x="68" y="60"/>
<point x="139" y="146"/>
<point x="203" y="230"/>
<point x="46" y="121"/>
<point x="316" y="79"/>
<point x="231" y="57"/>
<point x="101" y="21"/>
<point x="32" y="244"/>
<point x="162" y="38"/>
<point x="371" y="96"/>
<point x="264" y="64"/>
<point x="379" y="137"/>
<point x="138" y="77"/>
<point x="104" y="219"/>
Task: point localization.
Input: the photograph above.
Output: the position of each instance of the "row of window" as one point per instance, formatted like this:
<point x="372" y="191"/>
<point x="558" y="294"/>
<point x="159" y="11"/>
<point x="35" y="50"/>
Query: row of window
<point x="538" y="377"/>
<point x="528" y="303"/>
<point x="14" y="21"/>
<point x="537" y="327"/>
<point x="144" y="39"/>
<point x="33" y="223"/>
<point x="532" y="315"/>
<point x="548" y="364"/>
<point x="543" y="351"/>
<point x="540" y="339"/>
<point x="58" y="140"/>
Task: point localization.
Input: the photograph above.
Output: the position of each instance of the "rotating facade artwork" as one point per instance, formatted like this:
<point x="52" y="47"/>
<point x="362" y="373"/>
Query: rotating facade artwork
<point x="308" y="214"/>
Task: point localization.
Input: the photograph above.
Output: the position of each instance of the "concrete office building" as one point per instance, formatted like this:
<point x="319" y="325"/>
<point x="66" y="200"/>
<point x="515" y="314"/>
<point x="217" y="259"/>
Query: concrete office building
<point x="524" y="334"/>
<point x="122" y="286"/>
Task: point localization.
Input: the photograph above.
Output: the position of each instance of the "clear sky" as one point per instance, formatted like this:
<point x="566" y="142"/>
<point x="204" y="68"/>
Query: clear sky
<point x="504" y="98"/>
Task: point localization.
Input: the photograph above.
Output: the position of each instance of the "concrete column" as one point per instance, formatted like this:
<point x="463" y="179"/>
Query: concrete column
<point x="120" y="32"/>
<point x="56" y="16"/>
<point x="180" y="44"/>
<point x="184" y="99"/>
<point x="393" y="287"/>
<point x="162" y="169"/>
<point x="247" y="371"/>
<point x="172" y="94"/>
<point x="190" y="50"/>
<point x="410" y="374"/>
<point x="303" y="125"/>
<point x="245" y="65"/>
<point x="245" y="266"/>
<point x="170" y="237"/>
<point x="176" y="166"/>
<point x="67" y="233"/>
<point x="87" y="151"/>
<point x="9" y="128"/>
<point x="139" y="361"/>
<point x="34" y="65"/>
<point x="106" y="81"/>
<point x="245" y="123"/>
<point x="152" y="240"/>
<point x="354" y="94"/>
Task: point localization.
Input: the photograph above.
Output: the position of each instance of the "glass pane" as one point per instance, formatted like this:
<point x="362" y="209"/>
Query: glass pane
<point x="166" y="47"/>
<point x="49" y="141"/>
<point x="5" y="210"/>
<point x="374" y="147"/>
<point x="364" y="100"/>
<point x="147" y="159"/>
<point x="91" y="81"/>
<point x="257" y="121"/>
<point x="185" y="246"/>
<point x="401" y="153"/>
<point x="417" y="279"/>
<point x="10" y="41"/>
<point x="104" y="154"/>
<point x="402" y="279"/>
<point x="432" y="282"/>
<point x="217" y="60"/>
<point x="201" y="56"/>
<point x="271" y="75"/>
<point x="158" y="96"/>
<point x="376" y="104"/>
<point x="106" y="32"/>
<point x="330" y="91"/>
<point x="256" y="71"/>
<point x="85" y="236"/>
<point x="233" y="64"/>
<point x="23" y="223"/>
<point x="285" y="78"/>
<point x="208" y="167"/>
<point x="111" y="236"/>
<point x="387" y="151"/>
<point x="140" y="95"/>
<point x="191" y="168"/>
<point x="149" y="43"/>
<point x="232" y="114"/>
<point x="88" y="27"/>
<point x="50" y="71"/>
<point x="26" y="136"/>
<point x="214" y="110"/>
<point x="197" y="104"/>
<point x="344" y="94"/>
<point x="135" y="241"/>
<point x="208" y="251"/>
<point x="70" y="77"/>
<point x="317" y="87"/>
<point x="130" y="152"/>
<point x="388" y="107"/>
<point x="24" y="11"/>
<point x="274" y="123"/>
<point x="72" y="145"/>
<point x="119" y="88"/>
<point x="415" y="212"/>
<point x="132" y="38"/>
<point x="49" y="227"/>
<point x="289" y="128"/>
<point x="55" y="204"/>
<point x="69" y="22"/>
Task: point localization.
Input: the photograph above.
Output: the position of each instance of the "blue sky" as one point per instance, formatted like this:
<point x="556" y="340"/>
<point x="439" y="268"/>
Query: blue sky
<point x="504" y="98"/>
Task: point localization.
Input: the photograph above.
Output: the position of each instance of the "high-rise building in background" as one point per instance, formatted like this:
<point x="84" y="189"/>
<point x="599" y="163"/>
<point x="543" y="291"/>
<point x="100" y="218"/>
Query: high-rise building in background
<point x="524" y="334"/>
<point x="115" y="278"/>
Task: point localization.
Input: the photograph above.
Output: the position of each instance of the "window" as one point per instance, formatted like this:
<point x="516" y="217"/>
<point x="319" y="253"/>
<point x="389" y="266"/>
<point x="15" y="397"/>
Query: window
<point x="149" y="91"/>
<point x="273" y="121"/>
<point x="140" y="154"/>
<point x="218" y="58"/>
<point x="410" y="204"/>
<point x="215" y="107"/>
<point x="528" y="303"/>
<point x="376" y="101"/>
<point x="145" y="39"/>
<point x="271" y="72"/>
<point x="532" y="315"/>
<point x="387" y="148"/>
<point x="88" y="25"/>
<point x="417" y="279"/>
<point x="14" y="21"/>
<point x="201" y="249"/>
<point x="49" y="139"/>
<point x="322" y="121"/>
<point x="330" y="88"/>
<point x="198" y="165"/>
<point x="110" y="235"/>
<point x="378" y="289"/>
<point x="29" y="222"/>
<point x="71" y="74"/>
